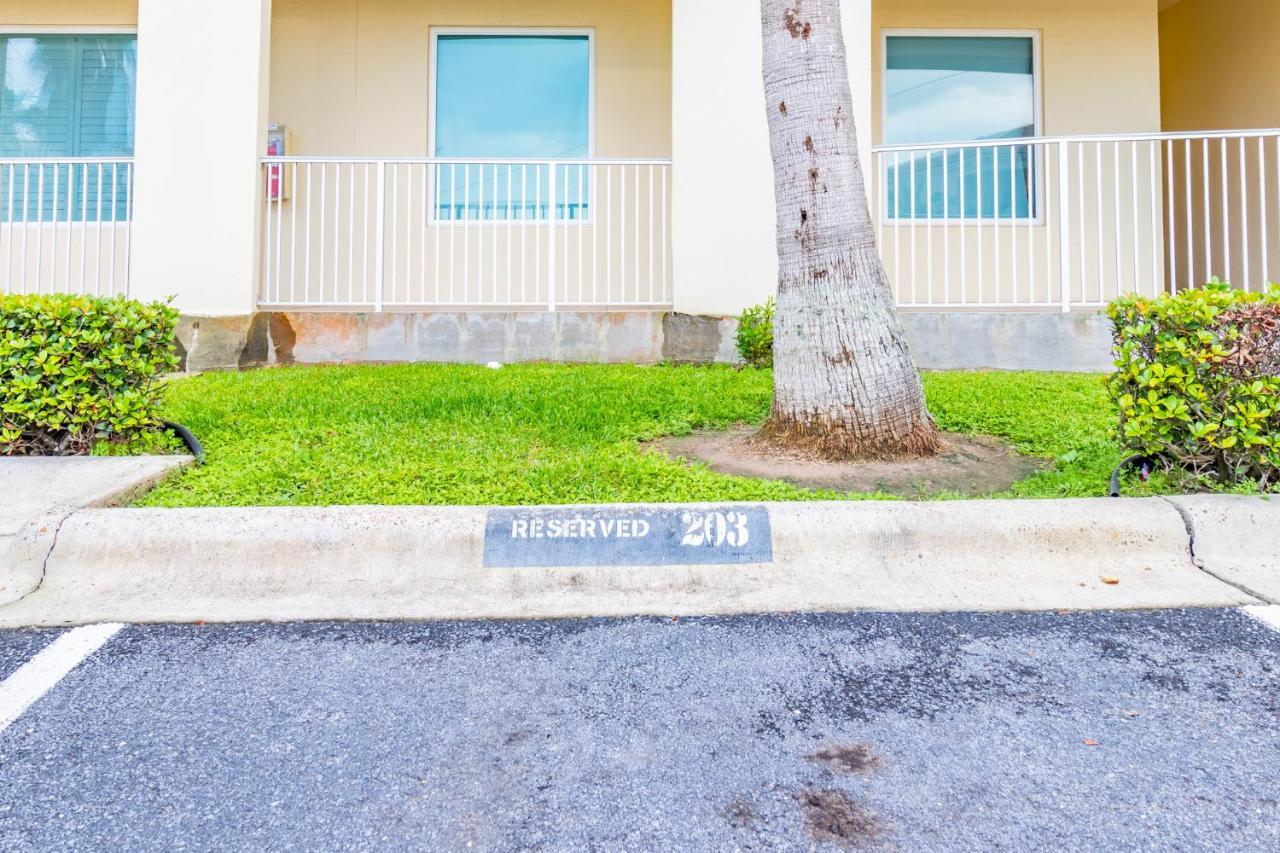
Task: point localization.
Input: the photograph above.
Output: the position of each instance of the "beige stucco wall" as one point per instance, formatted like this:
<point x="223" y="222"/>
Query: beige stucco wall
<point x="1218" y="64"/>
<point x="350" y="77"/>
<point x="1101" y="58"/>
<point x="68" y="13"/>
<point x="1219" y="72"/>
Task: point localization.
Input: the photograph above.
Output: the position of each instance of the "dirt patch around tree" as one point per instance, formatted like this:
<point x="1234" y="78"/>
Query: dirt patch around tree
<point x="968" y="465"/>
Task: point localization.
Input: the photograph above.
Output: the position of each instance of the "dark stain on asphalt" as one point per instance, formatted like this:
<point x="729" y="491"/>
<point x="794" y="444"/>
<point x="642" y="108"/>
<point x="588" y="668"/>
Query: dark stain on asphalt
<point x="860" y="758"/>
<point x="740" y="813"/>
<point x="832" y="816"/>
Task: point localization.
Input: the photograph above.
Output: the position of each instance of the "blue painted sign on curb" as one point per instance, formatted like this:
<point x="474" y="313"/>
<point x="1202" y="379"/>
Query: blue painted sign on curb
<point x="667" y="536"/>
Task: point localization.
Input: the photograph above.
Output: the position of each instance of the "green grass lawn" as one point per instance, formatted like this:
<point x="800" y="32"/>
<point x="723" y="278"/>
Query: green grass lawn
<point x="449" y="434"/>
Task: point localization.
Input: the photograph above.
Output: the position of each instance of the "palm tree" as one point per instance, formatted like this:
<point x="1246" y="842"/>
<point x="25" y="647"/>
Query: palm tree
<point x="845" y="385"/>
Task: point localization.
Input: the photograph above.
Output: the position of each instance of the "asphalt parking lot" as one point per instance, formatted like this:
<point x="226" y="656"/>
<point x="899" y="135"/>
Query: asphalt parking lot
<point x="1147" y="730"/>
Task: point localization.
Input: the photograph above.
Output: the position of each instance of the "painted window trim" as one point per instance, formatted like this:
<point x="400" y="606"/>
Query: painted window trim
<point x="78" y="33"/>
<point x="434" y="34"/>
<point x="1037" y="93"/>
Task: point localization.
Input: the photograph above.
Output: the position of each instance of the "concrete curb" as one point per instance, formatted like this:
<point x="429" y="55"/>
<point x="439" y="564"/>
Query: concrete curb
<point x="1236" y="538"/>
<point x="277" y="564"/>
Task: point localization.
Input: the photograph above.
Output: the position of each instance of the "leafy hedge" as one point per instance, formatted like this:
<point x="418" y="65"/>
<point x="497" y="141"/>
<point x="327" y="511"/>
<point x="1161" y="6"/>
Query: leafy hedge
<point x="1197" y="382"/>
<point x="755" y="334"/>
<point x="75" y="370"/>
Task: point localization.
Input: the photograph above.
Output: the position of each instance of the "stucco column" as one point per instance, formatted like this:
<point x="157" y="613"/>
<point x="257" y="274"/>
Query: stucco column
<point x="201" y="129"/>
<point x="723" y="222"/>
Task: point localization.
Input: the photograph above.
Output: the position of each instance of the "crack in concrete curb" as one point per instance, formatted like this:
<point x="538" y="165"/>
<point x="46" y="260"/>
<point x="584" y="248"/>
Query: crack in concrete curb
<point x="44" y="562"/>
<point x="1199" y="564"/>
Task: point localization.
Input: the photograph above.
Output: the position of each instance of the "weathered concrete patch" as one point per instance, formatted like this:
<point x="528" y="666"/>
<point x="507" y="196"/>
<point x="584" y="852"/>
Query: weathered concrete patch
<point x="281" y="564"/>
<point x="1077" y="343"/>
<point x="699" y="339"/>
<point x="940" y="341"/>
<point x="214" y="343"/>
<point x="1237" y="539"/>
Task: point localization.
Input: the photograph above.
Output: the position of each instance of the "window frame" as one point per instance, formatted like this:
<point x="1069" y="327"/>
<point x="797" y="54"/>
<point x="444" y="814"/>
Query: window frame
<point x="434" y="34"/>
<point x="1037" y="96"/>
<point x="77" y="31"/>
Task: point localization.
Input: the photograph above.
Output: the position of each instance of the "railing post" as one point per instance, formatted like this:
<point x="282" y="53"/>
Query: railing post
<point x="1064" y="224"/>
<point x="380" y="237"/>
<point x="552" y="266"/>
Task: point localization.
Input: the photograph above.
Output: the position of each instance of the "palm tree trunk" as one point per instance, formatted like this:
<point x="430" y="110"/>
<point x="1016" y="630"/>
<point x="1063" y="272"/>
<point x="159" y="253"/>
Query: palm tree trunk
<point x="845" y="385"/>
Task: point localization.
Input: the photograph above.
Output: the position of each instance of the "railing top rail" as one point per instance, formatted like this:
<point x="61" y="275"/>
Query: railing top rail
<point x="481" y="161"/>
<point x="1082" y="138"/>
<point x="61" y="161"/>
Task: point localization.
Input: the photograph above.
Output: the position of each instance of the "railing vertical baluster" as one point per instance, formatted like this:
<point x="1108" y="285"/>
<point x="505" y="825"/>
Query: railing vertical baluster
<point x="1133" y="216"/>
<point x="1157" y="218"/>
<point x="651" y="259"/>
<point x="946" y="226"/>
<point x="667" y="296"/>
<point x="1170" y="217"/>
<point x="1102" y="276"/>
<point x="915" y="299"/>
<point x="607" y="220"/>
<point x="1119" y="248"/>
<point x="1263" y="212"/>
<point x="379" y="233"/>
<point x="40" y="229"/>
<point x="1208" y="212"/>
<point x="1064" y="225"/>
<point x="128" y="228"/>
<point x="964" y="229"/>
<point x="928" y="191"/>
<point x="1226" y="210"/>
<point x="897" y="223"/>
<point x="1244" y="215"/>
<point x="553" y="272"/>
<point x="635" y="212"/>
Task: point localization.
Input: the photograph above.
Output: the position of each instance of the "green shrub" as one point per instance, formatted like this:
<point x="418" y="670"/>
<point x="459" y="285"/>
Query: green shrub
<point x="755" y="334"/>
<point x="1197" y="382"/>
<point x="75" y="370"/>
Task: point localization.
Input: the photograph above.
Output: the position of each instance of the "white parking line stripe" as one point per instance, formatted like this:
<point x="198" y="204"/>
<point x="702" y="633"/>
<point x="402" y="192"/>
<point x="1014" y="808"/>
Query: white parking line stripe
<point x="1268" y="615"/>
<point x="37" y="676"/>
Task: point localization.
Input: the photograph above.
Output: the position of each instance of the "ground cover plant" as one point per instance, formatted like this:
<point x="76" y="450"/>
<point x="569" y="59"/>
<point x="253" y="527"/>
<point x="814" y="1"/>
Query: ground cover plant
<point x="78" y="372"/>
<point x="531" y="434"/>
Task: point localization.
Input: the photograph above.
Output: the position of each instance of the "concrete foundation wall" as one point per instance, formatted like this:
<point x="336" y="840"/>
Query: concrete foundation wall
<point x="1066" y="342"/>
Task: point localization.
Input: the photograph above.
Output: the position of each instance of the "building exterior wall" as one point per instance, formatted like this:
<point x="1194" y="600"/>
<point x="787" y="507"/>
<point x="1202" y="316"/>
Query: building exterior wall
<point x="351" y="78"/>
<point x="1218" y="64"/>
<point x="1219" y="72"/>
<point x="1085" y="46"/>
<point x="68" y="13"/>
<point x="724" y="213"/>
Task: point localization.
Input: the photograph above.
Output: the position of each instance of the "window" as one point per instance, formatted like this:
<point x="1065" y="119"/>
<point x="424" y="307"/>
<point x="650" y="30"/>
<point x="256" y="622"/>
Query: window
<point x="512" y="95"/>
<point x="66" y="96"/>
<point x="961" y="88"/>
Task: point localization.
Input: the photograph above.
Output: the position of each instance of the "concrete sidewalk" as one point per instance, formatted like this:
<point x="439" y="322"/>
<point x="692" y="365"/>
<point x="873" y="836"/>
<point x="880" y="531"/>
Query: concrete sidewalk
<point x="280" y="564"/>
<point x="33" y="489"/>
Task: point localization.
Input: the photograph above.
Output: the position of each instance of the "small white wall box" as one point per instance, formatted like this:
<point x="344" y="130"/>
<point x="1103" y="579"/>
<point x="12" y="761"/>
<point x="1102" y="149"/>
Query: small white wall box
<point x="279" y="144"/>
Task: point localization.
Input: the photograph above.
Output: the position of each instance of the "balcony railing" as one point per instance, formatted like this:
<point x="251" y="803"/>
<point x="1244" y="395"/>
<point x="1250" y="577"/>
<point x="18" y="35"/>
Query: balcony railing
<point x="1069" y="223"/>
<point x="379" y="234"/>
<point x="66" y="225"/>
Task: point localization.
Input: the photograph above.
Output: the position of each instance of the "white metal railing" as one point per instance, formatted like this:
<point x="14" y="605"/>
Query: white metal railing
<point x="383" y="234"/>
<point x="1063" y="223"/>
<point x="66" y="225"/>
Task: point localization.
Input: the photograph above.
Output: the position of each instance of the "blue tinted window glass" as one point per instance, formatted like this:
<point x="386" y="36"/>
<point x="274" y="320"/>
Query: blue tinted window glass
<point x="512" y="96"/>
<point x="66" y="96"/>
<point x="960" y="89"/>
